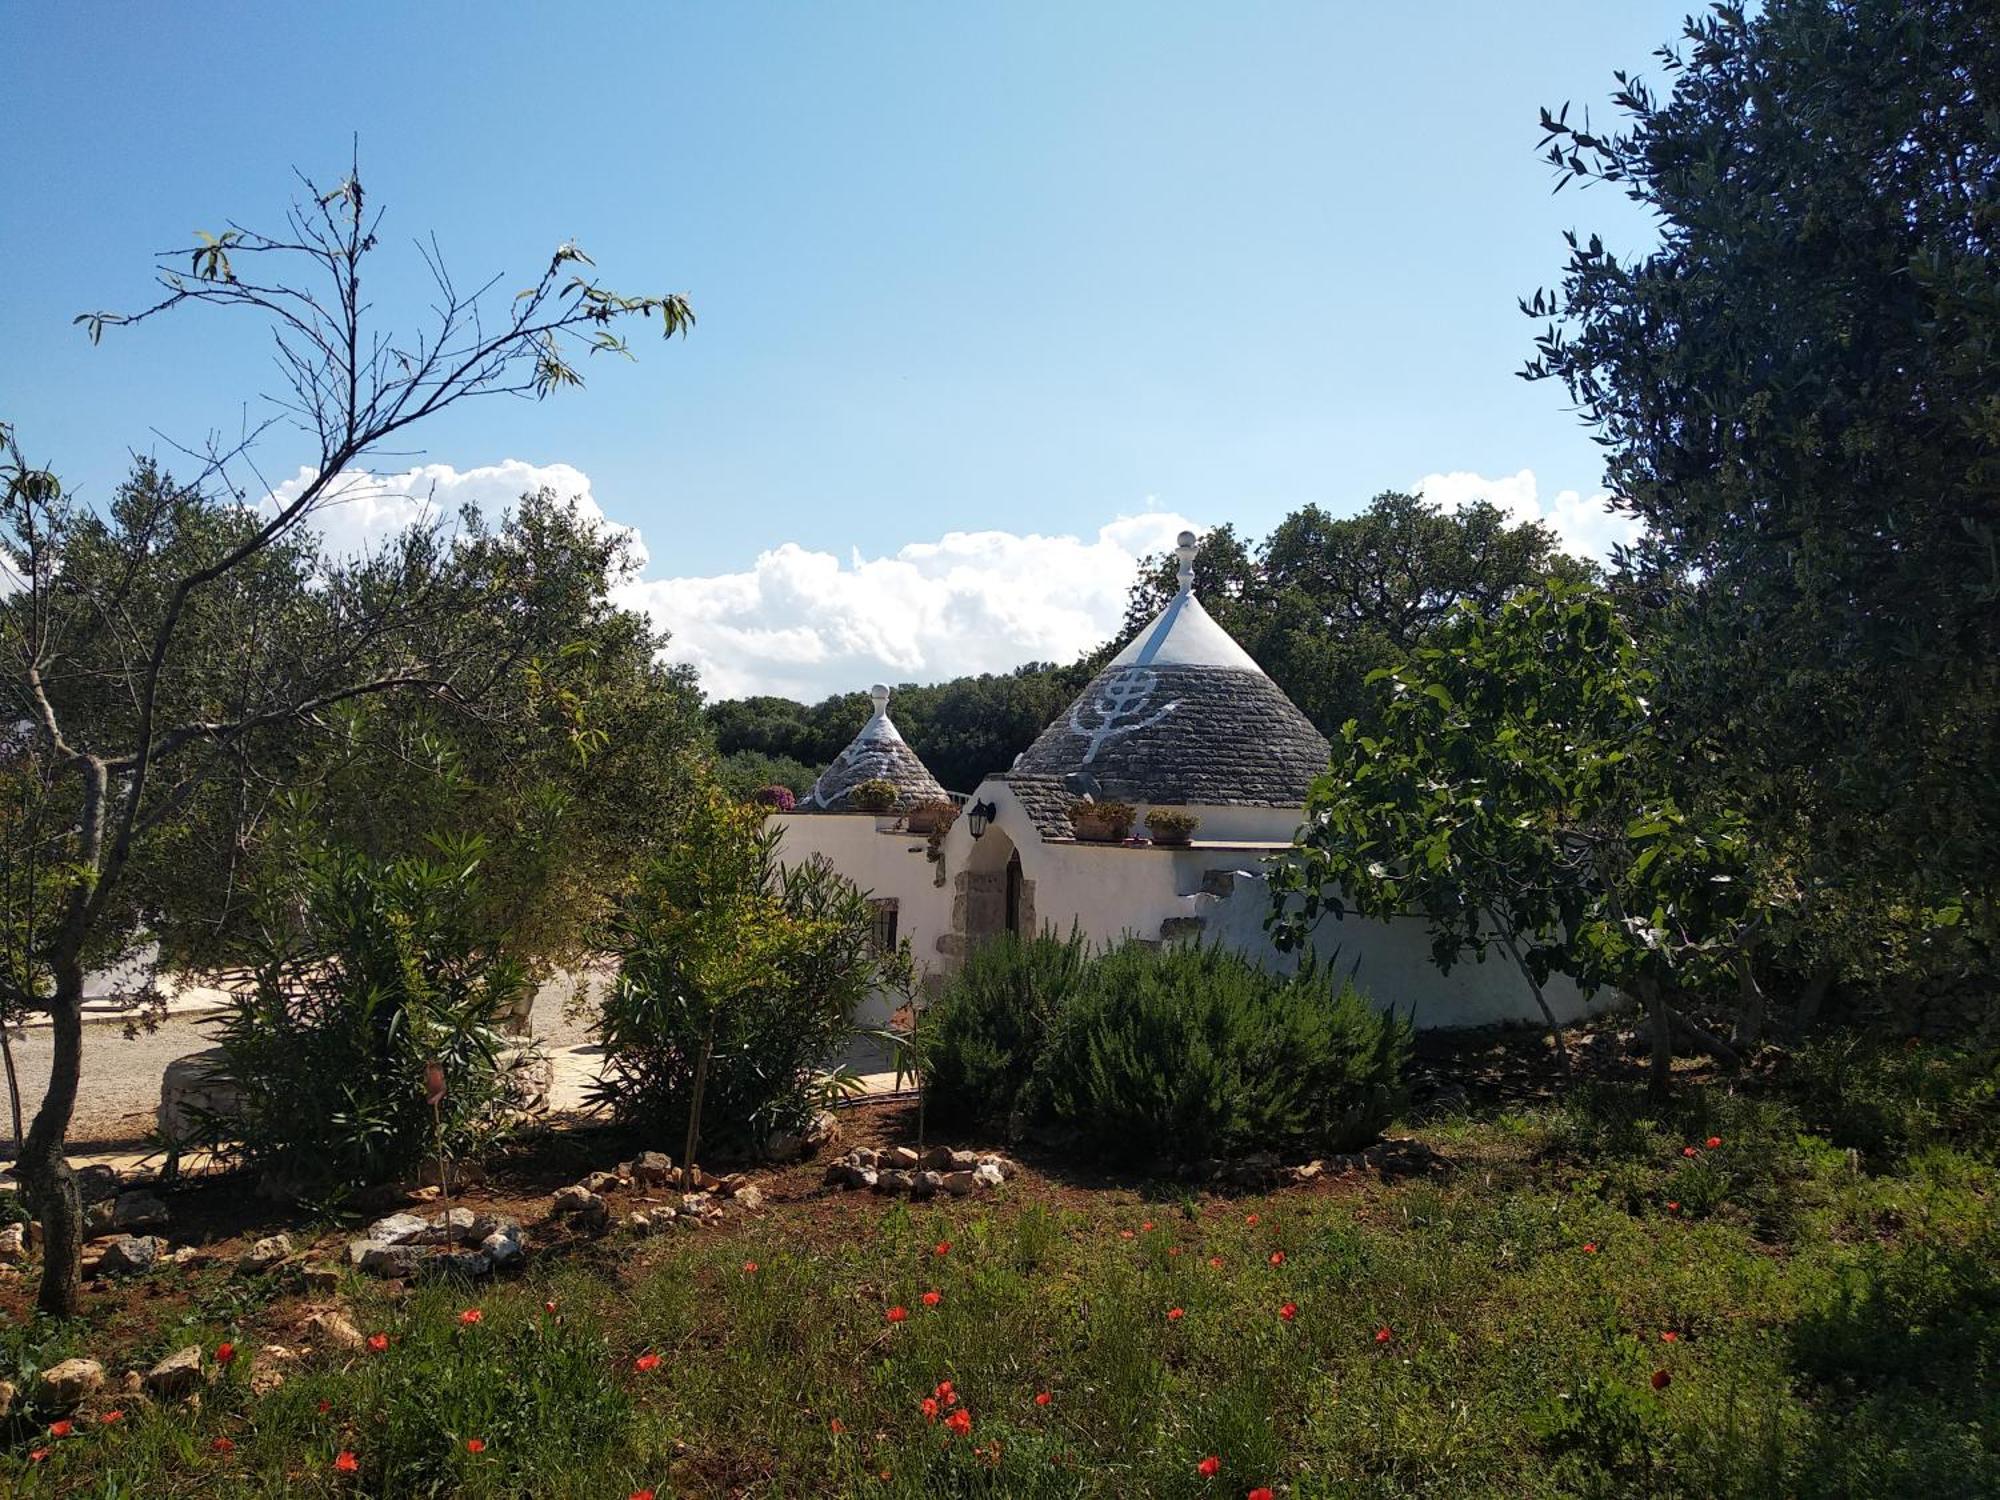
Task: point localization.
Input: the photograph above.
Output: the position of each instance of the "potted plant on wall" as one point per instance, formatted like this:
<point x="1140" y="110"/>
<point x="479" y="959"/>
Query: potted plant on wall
<point x="927" y="817"/>
<point x="875" y="795"/>
<point x="1170" y="825"/>
<point x="1101" y="822"/>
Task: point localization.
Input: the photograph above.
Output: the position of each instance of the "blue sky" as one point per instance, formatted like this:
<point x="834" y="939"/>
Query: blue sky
<point x="1007" y="271"/>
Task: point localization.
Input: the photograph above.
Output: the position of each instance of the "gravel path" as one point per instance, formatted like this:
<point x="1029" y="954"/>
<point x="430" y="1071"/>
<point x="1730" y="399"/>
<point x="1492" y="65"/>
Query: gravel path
<point x="121" y="1075"/>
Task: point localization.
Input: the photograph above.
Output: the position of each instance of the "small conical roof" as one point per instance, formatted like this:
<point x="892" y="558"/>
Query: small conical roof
<point x="1182" y="715"/>
<point x="877" y="752"/>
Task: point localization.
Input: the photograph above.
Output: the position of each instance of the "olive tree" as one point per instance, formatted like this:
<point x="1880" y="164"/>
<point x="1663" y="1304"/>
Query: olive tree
<point x="215" y="631"/>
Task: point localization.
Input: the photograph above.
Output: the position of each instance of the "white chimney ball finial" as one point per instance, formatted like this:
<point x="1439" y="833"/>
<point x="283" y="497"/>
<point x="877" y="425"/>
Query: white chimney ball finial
<point x="1185" y="539"/>
<point x="1185" y="550"/>
<point x="880" y="693"/>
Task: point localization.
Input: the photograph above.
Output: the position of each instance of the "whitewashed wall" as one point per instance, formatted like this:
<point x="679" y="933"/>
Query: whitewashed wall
<point x="884" y="864"/>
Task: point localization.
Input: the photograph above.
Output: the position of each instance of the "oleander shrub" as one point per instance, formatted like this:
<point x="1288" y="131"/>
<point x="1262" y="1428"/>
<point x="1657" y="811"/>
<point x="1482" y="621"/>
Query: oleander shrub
<point x="738" y="981"/>
<point x="370" y="971"/>
<point x="1188" y="1052"/>
<point x="775" y="797"/>
<point x="982" y="1039"/>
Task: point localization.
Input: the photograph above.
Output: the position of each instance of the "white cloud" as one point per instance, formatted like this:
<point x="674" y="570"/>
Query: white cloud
<point x="362" y="510"/>
<point x="1583" y="525"/>
<point x="803" y="624"/>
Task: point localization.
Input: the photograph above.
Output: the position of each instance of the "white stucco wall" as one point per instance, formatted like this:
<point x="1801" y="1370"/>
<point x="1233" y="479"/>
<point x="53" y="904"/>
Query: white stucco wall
<point x="1216" y="890"/>
<point x="885" y="864"/>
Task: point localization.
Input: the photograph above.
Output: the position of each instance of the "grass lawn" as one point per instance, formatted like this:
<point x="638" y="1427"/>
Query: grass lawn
<point x="1580" y="1307"/>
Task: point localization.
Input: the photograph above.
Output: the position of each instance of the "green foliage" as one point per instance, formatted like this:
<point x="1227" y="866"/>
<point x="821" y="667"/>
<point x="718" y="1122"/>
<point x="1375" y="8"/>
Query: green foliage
<point x="743" y="772"/>
<point x="1518" y="793"/>
<point x="1193" y="1052"/>
<point x="876" y="795"/>
<point x="1325" y="600"/>
<point x="1171" y="822"/>
<point x="983" y="1038"/>
<point x="1850" y="1358"/>
<point x="1796" y="393"/>
<point x="738" y="969"/>
<point x="372" y="971"/>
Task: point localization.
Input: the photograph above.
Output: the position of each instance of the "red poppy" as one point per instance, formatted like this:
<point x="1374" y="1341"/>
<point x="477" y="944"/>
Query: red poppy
<point x="641" y="1495"/>
<point x="470" y="1316"/>
<point x="378" y="1343"/>
<point x="224" y="1353"/>
<point x="1590" y="1247"/>
<point x="1668" y="1336"/>
<point x="325" y="1407"/>
<point x="112" y="1416"/>
<point x="475" y="1445"/>
<point x="1249" y="1218"/>
<point x="946" y="1393"/>
<point x="1215" y="1262"/>
<point x="897" y="1314"/>
<point x="1383" y="1335"/>
<point x="931" y="1299"/>
<point x="1175" y="1314"/>
<point x="959" y="1421"/>
<point x="1277" y="1257"/>
<point x="345" y="1462"/>
<point x="549" y="1306"/>
<point x="929" y="1407"/>
<point x="1148" y="1225"/>
<point x="1289" y="1311"/>
<point x="39" y="1454"/>
<point x="61" y="1429"/>
<point x="1673" y="1207"/>
<point x="1124" y="1234"/>
<point x="836" y="1427"/>
<point x="1661" y="1380"/>
<point x="1689" y="1151"/>
<point x="942" y="1247"/>
<point x="1713" y="1142"/>
<point x="223" y="1445"/>
<point x="749" y="1268"/>
<point x="1209" y="1467"/>
<point x="646" y="1363"/>
<point x="1043" y="1398"/>
<point x="1173" y="1249"/>
<point x="1262" y="1492"/>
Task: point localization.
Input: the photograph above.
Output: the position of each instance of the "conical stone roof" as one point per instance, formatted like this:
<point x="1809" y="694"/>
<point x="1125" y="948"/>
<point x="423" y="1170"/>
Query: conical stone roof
<point x="1181" y="715"/>
<point x="877" y="752"/>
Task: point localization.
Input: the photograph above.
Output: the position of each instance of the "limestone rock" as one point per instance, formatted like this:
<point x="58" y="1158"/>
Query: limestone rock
<point x="988" y="1175"/>
<point x="131" y="1255"/>
<point x="266" y="1370"/>
<point x="7" y="1394"/>
<point x="959" y="1184"/>
<point x="397" y="1229"/>
<point x="452" y="1227"/>
<point x="938" y="1159"/>
<point x="893" y="1181"/>
<point x="175" y="1376"/>
<point x="902" y="1158"/>
<point x="602" y="1182"/>
<point x="865" y="1156"/>
<point x="789" y="1145"/>
<point x="72" y="1380"/>
<point x="322" y="1280"/>
<point x="389" y="1260"/>
<point x="98" y="1216"/>
<point x="999" y="1164"/>
<point x="502" y="1247"/>
<point x="266" y="1253"/>
<point x="654" y="1168"/>
<point x="469" y="1264"/>
<point x="749" y="1197"/>
<point x="13" y="1244"/>
<point x="334" y="1330"/>
<point x="138" y="1210"/>
<point x="575" y="1199"/>
<point x="964" y="1161"/>
<point x="193" y="1085"/>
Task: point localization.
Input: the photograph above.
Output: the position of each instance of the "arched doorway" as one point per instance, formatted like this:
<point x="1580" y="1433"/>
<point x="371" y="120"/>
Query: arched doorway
<point x="992" y="894"/>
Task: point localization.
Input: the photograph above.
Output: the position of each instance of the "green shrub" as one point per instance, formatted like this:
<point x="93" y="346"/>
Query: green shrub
<point x="1888" y="1097"/>
<point x="1191" y="1052"/>
<point x="983" y="1037"/>
<point x="738" y="979"/>
<point x="371" y="970"/>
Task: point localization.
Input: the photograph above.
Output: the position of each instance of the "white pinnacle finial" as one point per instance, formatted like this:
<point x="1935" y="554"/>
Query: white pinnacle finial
<point x="1185" y="550"/>
<point x="880" y="694"/>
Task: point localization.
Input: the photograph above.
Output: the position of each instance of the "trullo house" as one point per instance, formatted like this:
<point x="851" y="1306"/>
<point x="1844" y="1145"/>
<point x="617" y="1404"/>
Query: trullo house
<point x="1182" y="718"/>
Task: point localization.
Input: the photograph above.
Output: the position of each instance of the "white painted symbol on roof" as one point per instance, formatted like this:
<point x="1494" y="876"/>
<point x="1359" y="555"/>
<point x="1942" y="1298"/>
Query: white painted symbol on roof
<point x="1118" y="707"/>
